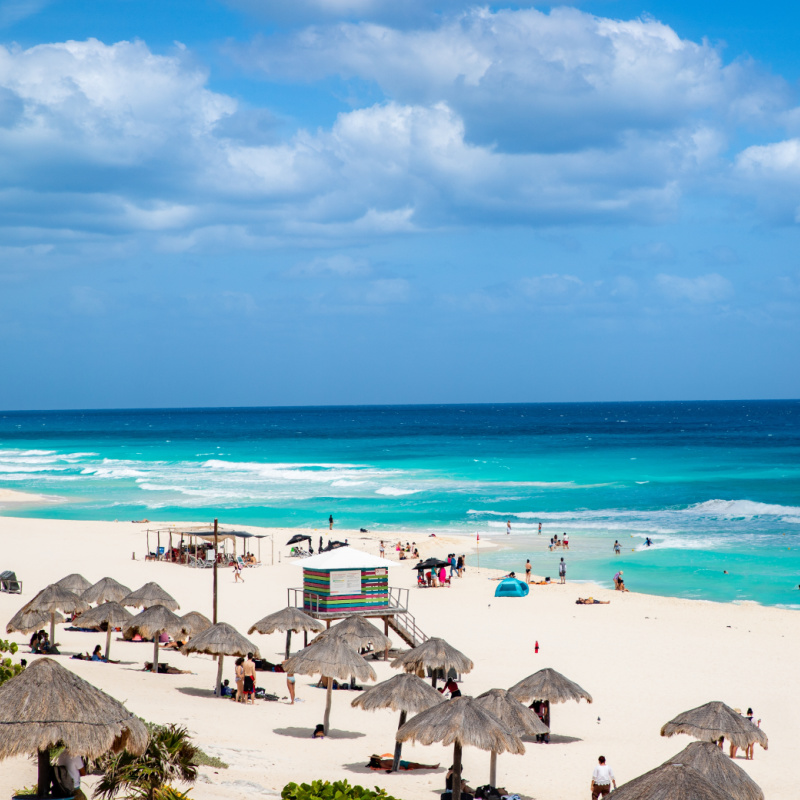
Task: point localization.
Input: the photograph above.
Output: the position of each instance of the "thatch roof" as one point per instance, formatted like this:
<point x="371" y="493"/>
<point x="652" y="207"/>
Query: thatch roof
<point x="433" y="654"/>
<point x="112" y="614"/>
<point x="74" y="583"/>
<point x="27" y="621"/>
<point x="712" y="720"/>
<point x="403" y="692"/>
<point x="358" y="633"/>
<point x="519" y="719"/>
<point x="151" y="594"/>
<point x="194" y="622"/>
<point x="106" y="590"/>
<point x="154" y="620"/>
<point x="56" y="598"/>
<point x="220" y="640"/>
<point x="287" y="619"/>
<point x="547" y="684"/>
<point x="719" y="770"/>
<point x="461" y="721"/>
<point x="331" y="657"/>
<point x="47" y="704"/>
<point x="670" y="782"/>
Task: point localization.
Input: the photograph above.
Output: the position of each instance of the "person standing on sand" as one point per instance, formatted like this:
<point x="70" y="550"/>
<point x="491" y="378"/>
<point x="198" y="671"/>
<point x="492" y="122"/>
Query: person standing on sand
<point x="382" y="549"/>
<point x="290" y="684"/>
<point x="237" y="572"/>
<point x="528" y="571"/>
<point x="239" y="680"/>
<point x="250" y="679"/>
<point x="330" y="522"/>
<point x="562" y="572"/>
<point x="602" y="779"/>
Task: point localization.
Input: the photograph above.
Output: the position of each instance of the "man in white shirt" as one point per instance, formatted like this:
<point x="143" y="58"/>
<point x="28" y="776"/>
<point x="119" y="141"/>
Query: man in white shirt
<point x="75" y="769"/>
<point x="602" y="779"/>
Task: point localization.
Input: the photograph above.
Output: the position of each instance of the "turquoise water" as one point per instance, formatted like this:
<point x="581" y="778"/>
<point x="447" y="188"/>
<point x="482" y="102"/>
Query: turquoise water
<point x="716" y="486"/>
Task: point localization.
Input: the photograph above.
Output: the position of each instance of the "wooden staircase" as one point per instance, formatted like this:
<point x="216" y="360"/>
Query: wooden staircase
<point x="405" y="626"/>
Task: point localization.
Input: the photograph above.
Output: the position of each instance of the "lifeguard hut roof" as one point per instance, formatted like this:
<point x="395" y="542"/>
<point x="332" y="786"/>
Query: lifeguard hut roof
<point x="344" y="558"/>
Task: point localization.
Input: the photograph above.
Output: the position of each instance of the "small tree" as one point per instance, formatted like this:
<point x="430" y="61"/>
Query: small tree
<point x="8" y="669"/>
<point x="170" y="756"/>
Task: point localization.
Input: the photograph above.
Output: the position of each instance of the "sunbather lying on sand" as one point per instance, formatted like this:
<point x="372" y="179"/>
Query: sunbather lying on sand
<point x="590" y="601"/>
<point x="384" y="762"/>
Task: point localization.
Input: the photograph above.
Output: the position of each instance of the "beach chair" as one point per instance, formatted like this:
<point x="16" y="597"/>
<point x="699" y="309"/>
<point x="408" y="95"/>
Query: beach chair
<point x="9" y="582"/>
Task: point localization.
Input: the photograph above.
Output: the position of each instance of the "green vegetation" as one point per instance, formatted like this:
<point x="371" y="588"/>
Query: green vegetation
<point x="338" y="790"/>
<point x="8" y="669"/>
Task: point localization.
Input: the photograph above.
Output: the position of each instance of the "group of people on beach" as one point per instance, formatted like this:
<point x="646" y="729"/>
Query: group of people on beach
<point x="40" y="643"/>
<point x="562" y="543"/>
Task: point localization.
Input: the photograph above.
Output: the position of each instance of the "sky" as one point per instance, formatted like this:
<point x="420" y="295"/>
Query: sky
<point x="323" y="202"/>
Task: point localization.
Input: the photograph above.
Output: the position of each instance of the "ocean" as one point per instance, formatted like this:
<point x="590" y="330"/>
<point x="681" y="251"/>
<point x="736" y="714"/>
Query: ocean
<point x="714" y="485"/>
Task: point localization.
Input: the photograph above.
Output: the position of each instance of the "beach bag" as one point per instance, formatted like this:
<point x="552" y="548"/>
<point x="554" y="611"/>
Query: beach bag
<point x="64" y="785"/>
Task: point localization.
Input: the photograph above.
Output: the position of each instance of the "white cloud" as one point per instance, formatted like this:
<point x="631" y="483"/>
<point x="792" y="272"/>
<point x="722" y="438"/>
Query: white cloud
<point x="387" y="290"/>
<point x="552" y="287"/>
<point x="703" y="289"/>
<point x="340" y="266"/>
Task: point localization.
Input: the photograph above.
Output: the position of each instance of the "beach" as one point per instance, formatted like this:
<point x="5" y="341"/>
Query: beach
<point x="643" y="658"/>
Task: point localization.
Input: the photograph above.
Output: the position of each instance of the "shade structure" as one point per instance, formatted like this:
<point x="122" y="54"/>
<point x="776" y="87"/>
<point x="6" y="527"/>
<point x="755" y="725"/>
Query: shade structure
<point x="220" y="640"/>
<point x="46" y="705"/>
<point x="670" y="782"/>
<point x="430" y="563"/>
<point x="405" y="693"/>
<point x="330" y="657"/>
<point x="27" y="621"/>
<point x="54" y="598"/>
<point x="106" y="617"/>
<point x="359" y="633"/>
<point x="106" y="590"/>
<point x="194" y="622"/>
<point x="151" y="594"/>
<point x="549" y="686"/>
<point x="713" y="720"/>
<point x="299" y="537"/>
<point x="74" y="583"/>
<point x="518" y="718"/>
<point x="151" y="623"/>
<point x="461" y="722"/>
<point x="288" y="619"/>
<point x="434" y="654"/>
<point x="718" y="769"/>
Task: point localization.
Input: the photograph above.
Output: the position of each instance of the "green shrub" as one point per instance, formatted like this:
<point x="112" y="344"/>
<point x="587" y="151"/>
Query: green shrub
<point x="8" y="669"/>
<point x="338" y="790"/>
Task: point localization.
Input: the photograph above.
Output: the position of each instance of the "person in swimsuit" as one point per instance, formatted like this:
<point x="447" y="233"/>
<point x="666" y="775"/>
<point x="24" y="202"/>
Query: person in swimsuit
<point x="528" y="571"/>
<point x="237" y="572"/>
<point x="250" y="679"/>
<point x="290" y="684"/>
<point x="239" y="679"/>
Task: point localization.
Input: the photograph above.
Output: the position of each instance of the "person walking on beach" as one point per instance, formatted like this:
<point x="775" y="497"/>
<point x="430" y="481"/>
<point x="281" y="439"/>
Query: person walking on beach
<point x="540" y="529"/>
<point x="602" y="779"/>
<point x="383" y="549"/>
<point x="617" y="547"/>
<point x="69" y="771"/>
<point x="239" y="680"/>
<point x="508" y="527"/>
<point x="250" y="679"/>
<point x="562" y="572"/>
<point x="290" y="684"/>
<point x="330" y="522"/>
<point x="237" y="572"/>
<point x="528" y="571"/>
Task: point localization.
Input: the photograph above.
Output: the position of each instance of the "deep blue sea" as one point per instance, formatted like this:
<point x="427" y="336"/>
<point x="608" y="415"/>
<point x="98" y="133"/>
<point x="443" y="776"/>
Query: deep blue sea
<point x="715" y="485"/>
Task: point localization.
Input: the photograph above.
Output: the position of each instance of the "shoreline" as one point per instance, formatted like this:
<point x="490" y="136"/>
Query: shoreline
<point x="14" y="497"/>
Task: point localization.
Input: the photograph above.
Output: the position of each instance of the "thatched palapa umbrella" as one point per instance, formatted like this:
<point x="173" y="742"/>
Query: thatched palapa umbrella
<point x="462" y="723"/>
<point x="404" y="693"/>
<point x="106" y="617"/>
<point x="74" y="583"/>
<point x="194" y="622"/>
<point x="106" y="590"/>
<point x="52" y="599"/>
<point x="712" y="721"/>
<point x="330" y="657"/>
<point x="220" y="640"/>
<point x="359" y="633"/>
<point x="47" y="705"/>
<point x="670" y="782"/>
<point x="519" y="719"/>
<point x="434" y="654"/>
<point x="718" y="769"/>
<point x="27" y="621"/>
<point x="288" y="619"/>
<point x="549" y="686"/>
<point x="150" y="624"/>
<point x="151" y="594"/>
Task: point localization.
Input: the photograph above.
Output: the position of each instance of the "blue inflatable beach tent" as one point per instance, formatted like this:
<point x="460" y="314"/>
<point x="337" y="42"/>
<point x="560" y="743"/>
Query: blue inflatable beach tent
<point x="511" y="587"/>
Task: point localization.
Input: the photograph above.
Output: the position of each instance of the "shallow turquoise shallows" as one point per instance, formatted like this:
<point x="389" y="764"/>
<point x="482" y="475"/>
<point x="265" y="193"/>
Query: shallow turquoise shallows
<point x="715" y="486"/>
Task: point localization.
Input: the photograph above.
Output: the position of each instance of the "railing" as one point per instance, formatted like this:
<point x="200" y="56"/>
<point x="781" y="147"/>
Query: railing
<point x="407" y="627"/>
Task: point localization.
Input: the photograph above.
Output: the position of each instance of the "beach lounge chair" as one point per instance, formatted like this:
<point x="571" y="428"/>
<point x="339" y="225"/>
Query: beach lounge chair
<point x="9" y="582"/>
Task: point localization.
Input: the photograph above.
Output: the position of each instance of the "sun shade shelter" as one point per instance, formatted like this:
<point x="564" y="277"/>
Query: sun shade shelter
<point x="220" y="640"/>
<point x="194" y="622"/>
<point x="106" y="617"/>
<point x="288" y="619"/>
<point x="463" y="723"/>
<point x="670" y="782"/>
<point x="548" y="686"/>
<point x="511" y="587"/>
<point x="151" y="623"/>
<point x="518" y="718"/>
<point x="46" y="705"/>
<point x="74" y="583"/>
<point x="435" y="655"/>
<point x="330" y="657"/>
<point x="712" y="721"/>
<point x="151" y="594"/>
<point x="27" y="621"/>
<point x="52" y="599"/>
<point x="405" y="693"/>
<point x="359" y="633"/>
<point x="106" y="590"/>
<point x="718" y="769"/>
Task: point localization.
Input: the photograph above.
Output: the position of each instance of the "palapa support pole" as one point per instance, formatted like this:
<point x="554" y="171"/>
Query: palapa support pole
<point x="398" y="746"/>
<point x="288" y="642"/>
<point x="155" y="651"/>
<point x="457" y="771"/>
<point x="109" y="629"/>
<point x="148" y="541"/>
<point x="493" y="769"/>
<point x="216" y="544"/>
<point x="326" y="720"/>
<point x="44" y="777"/>
<point x="386" y="634"/>
<point x="52" y="628"/>
<point x="158" y="546"/>
<point x="218" y="686"/>
<point x="305" y="638"/>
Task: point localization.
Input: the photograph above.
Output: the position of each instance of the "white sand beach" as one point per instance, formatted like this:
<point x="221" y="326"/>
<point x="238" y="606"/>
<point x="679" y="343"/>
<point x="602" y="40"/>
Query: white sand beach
<point x="643" y="658"/>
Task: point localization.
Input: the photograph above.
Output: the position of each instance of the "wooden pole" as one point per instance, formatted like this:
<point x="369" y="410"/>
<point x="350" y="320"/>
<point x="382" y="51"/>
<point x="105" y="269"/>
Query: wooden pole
<point x="108" y="638"/>
<point x="398" y="746"/>
<point x="288" y="642"/>
<point x="158" y="545"/>
<point x="457" y="771"/>
<point x="386" y="633"/>
<point x="493" y="769"/>
<point x="148" y="541"/>
<point x="155" y="651"/>
<point x="216" y="543"/>
<point x="218" y="687"/>
<point x="43" y="779"/>
<point x="52" y="629"/>
<point x="327" y="718"/>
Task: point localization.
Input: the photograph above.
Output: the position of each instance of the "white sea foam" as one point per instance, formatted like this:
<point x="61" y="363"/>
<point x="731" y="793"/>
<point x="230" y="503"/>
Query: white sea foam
<point x="740" y="508"/>
<point x="392" y="491"/>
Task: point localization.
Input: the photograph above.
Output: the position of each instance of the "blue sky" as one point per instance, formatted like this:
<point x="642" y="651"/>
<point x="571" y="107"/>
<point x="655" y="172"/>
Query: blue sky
<point x="252" y="202"/>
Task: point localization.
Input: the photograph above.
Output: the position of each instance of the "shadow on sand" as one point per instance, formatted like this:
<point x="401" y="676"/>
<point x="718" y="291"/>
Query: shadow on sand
<point x="555" y="738"/>
<point x="305" y="733"/>
<point x="363" y="769"/>
<point x="194" y="692"/>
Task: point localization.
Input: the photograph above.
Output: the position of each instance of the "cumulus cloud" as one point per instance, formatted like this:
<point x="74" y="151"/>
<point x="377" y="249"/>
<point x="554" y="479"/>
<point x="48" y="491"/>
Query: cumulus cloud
<point x="703" y="289"/>
<point x="339" y="266"/>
